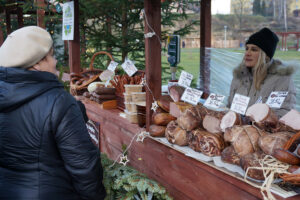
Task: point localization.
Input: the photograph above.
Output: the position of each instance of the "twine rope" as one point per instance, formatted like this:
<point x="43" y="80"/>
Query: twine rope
<point x="270" y="167"/>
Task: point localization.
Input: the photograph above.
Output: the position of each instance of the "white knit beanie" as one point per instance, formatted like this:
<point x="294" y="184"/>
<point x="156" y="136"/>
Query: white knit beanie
<point x="25" y="47"/>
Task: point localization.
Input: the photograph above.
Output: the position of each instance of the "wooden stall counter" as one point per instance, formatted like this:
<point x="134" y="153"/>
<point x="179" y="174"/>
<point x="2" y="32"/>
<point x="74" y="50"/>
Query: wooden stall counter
<point x="183" y="177"/>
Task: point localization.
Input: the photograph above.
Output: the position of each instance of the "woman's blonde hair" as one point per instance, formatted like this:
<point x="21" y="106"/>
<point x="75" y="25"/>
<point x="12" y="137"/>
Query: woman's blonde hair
<point x="260" y="70"/>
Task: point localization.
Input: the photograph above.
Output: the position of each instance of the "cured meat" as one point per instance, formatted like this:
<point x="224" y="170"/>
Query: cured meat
<point x="228" y="155"/>
<point x="178" y="108"/>
<point x="157" y="131"/>
<point x="252" y="160"/>
<point x="212" y="124"/>
<point x="263" y="116"/>
<point x="105" y="90"/>
<point x="269" y="142"/>
<point x="190" y="119"/>
<point x="286" y="157"/>
<point x="164" y="102"/>
<point x="207" y="143"/>
<point x="291" y="119"/>
<point x="175" y="134"/>
<point x="162" y="119"/>
<point x="176" y="92"/>
<point x="230" y="119"/>
<point x="244" y="139"/>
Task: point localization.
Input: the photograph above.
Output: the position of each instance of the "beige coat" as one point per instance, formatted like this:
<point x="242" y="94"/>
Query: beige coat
<point x="279" y="78"/>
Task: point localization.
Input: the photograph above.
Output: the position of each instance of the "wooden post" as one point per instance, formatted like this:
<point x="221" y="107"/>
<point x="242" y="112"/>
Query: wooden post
<point x="8" y="24"/>
<point x="205" y="41"/>
<point x="1" y="37"/>
<point x="20" y="17"/>
<point x="74" y="45"/>
<point x="152" y="55"/>
<point x="40" y="12"/>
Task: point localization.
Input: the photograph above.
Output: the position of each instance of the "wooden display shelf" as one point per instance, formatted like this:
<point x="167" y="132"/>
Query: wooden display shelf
<point x="183" y="177"/>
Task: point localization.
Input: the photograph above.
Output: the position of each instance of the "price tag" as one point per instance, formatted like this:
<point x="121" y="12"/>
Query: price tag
<point x="129" y="67"/>
<point x="185" y="79"/>
<point x="112" y="66"/>
<point x="214" y="100"/>
<point x="240" y="103"/>
<point x="191" y="95"/>
<point x="276" y="99"/>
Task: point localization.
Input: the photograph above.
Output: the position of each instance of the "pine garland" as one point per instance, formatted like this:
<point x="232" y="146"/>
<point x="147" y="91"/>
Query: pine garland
<point x="125" y="183"/>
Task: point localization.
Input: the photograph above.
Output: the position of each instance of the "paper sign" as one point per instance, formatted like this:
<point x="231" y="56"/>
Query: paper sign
<point x="240" y="104"/>
<point x="129" y="67"/>
<point x="276" y="99"/>
<point x="214" y="100"/>
<point x="185" y="79"/>
<point x="191" y="95"/>
<point x="112" y="66"/>
<point x="68" y="21"/>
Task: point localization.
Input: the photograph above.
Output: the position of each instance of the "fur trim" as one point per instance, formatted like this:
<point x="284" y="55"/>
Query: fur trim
<point x="277" y="67"/>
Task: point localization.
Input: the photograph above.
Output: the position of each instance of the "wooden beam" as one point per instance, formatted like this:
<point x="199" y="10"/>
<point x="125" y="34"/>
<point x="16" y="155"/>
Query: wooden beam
<point x="40" y="13"/>
<point x="205" y="41"/>
<point x="8" y="21"/>
<point x="74" y="45"/>
<point x="1" y="37"/>
<point x="152" y="55"/>
<point x="20" y="17"/>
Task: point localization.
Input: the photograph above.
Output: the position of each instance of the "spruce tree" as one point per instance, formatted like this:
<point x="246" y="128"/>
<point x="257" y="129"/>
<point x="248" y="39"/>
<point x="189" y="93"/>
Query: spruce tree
<point x="263" y="10"/>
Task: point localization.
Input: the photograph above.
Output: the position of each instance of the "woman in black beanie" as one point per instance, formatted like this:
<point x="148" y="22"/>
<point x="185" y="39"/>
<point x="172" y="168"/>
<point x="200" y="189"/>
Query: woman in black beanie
<point x="259" y="74"/>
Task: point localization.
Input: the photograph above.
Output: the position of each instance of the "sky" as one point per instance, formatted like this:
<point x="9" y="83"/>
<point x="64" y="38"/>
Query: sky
<point x="220" y="7"/>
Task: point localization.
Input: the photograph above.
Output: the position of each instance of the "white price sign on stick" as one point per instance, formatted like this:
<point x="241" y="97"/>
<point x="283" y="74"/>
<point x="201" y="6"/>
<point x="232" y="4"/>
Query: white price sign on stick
<point x="191" y="95"/>
<point x="185" y="79"/>
<point x="214" y="100"/>
<point x="112" y="66"/>
<point x="276" y="99"/>
<point x="129" y="67"/>
<point x="240" y="104"/>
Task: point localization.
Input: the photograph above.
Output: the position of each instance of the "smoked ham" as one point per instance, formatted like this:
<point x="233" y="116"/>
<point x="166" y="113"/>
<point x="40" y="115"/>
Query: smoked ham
<point x="269" y="142"/>
<point x="228" y="155"/>
<point x="252" y="160"/>
<point x="207" y="143"/>
<point x="190" y="119"/>
<point x="176" y="92"/>
<point x="230" y="119"/>
<point x="212" y="123"/>
<point x="178" y="108"/>
<point x="162" y="119"/>
<point x="263" y="116"/>
<point x="175" y="134"/>
<point x="157" y="131"/>
<point x="164" y="102"/>
<point x="244" y="139"/>
<point x="291" y="119"/>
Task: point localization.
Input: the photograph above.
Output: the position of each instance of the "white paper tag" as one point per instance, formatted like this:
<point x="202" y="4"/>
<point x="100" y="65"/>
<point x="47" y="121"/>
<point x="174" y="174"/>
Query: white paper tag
<point x="112" y="66"/>
<point x="276" y="99"/>
<point x="185" y="79"/>
<point x="214" y="100"/>
<point x="191" y="95"/>
<point x="129" y="67"/>
<point x="240" y="104"/>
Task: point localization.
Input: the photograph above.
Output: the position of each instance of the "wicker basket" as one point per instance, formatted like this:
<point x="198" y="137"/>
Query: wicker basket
<point x="79" y="82"/>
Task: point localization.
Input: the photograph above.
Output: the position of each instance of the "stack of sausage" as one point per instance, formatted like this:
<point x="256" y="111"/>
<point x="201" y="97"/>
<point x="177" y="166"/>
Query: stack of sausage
<point x="101" y="94"/>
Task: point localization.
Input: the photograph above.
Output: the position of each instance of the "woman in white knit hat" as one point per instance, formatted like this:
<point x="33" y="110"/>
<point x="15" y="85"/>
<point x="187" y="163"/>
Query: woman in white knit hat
<point x="45" y="149"/>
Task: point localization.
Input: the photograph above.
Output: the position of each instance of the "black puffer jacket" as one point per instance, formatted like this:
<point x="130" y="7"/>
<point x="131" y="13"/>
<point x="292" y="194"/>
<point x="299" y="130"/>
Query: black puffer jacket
<point x="45" y="149"/>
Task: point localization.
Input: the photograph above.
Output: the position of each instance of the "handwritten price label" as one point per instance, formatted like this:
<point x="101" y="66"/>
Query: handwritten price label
<point x="129" y="67"/>
<point x="112" y="66"/>
<point x="191" y="95"/>
<point x="185" y="79"/>
<point x="214" y="100"/>
<point x="240" y="103"/>
<point x="276" y="99"/>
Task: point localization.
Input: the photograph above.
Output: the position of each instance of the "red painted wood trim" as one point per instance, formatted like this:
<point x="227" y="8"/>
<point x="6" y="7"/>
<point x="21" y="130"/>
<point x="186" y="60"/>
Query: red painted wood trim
<point x="8" y="21"/>
<point x="74" y="45"/>
<point x="41" y="13"/>
<point x="205" y="24"/>
<point x="20" y="17"/>
<point x="152" y="54"/>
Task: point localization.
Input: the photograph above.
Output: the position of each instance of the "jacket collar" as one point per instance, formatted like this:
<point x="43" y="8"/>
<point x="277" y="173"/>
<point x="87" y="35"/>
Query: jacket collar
<point x="276" y="67"/>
